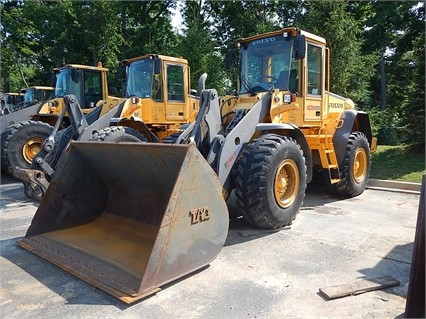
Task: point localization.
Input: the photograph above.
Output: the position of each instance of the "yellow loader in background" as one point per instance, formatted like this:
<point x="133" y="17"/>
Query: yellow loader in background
<point x="12" y="102"/>
<point x="35" y="94"/>
<point x="9" y="101"/>
<point x="23" y="131"/>
<point x="159" y="102"/>
<point x="106" y="201"/>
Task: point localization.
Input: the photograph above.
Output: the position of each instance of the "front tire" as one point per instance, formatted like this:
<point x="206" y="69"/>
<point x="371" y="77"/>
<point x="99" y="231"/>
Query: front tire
<point x="271" y="181"/>
<point x="355" y="168"/>
<point x="21" y="142"/>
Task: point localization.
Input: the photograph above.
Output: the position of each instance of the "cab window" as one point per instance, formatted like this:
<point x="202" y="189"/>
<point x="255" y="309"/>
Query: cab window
<point x="314" y="54"/>
<point x="92" y="88"/>
<point x="175" y="85"/>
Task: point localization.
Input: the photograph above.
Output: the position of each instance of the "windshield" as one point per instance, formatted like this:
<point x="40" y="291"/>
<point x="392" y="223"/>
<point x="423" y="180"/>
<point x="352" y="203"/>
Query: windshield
<point x="139" y="78"/>
<point x="68" y="82"/>
<point x="266" y="63"/>
<point x="29" y="95"/>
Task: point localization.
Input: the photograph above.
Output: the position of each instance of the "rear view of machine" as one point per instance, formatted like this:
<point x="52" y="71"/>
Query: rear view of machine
<point x="266" y="142"/>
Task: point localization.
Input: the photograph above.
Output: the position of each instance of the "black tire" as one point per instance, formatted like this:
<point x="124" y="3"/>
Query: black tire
<point x="263" y="202"/>
<point x="21" y="142"/>
<point x="355" y="168"/>
<point x="172" y="138"/>
<point x="118" y="134"/>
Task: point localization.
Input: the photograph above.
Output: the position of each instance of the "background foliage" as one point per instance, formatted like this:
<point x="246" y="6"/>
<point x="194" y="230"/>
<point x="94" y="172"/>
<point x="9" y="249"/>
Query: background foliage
<point x="377" y="47"/>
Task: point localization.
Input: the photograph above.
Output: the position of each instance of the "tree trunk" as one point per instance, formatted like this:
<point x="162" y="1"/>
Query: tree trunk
<point x="382" y="76"/>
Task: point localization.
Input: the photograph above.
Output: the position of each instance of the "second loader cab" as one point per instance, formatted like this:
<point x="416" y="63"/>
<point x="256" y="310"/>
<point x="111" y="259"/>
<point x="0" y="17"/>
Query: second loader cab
<point x="85" y="83"/>
<point x="159" y="88"/>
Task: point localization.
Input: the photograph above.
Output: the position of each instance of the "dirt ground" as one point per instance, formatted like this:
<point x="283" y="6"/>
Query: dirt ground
<point x="258" y="274"/>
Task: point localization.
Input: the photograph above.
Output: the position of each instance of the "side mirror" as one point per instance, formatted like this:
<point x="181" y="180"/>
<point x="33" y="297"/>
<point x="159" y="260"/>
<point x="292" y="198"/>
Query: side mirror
<point x="157" y="66"/>
<point x="120" y="73"/>
<point x="228" y="58"/>
<point x="299" y="47"/>
<point x="75" y="75"/>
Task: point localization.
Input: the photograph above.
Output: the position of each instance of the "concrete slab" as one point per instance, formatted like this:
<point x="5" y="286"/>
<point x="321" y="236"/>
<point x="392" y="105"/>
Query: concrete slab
<point x="257" y="274"/>
<point x="394" y="186"/>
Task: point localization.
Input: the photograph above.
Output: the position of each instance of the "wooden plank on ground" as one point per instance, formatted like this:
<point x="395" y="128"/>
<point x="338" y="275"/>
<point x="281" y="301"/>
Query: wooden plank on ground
<point x="358" y="287"/>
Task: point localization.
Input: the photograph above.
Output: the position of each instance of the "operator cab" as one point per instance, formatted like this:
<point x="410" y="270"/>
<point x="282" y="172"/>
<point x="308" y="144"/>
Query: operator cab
<point x="271" y="62"/>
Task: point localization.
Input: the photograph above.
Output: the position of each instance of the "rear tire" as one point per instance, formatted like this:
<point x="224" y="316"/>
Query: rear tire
<point x="21" y="142"/>
<point x="355" y="168"/>
<point x="271" y="181"/>
<point x="118" y="134"/>
<point x="172" y="138"/>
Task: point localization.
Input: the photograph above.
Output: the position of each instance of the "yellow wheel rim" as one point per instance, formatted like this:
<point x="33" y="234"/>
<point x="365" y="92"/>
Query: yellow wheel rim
<point x="359" y="168"/>
<point x="31" y="148"/>
<point x="286" y="183"/>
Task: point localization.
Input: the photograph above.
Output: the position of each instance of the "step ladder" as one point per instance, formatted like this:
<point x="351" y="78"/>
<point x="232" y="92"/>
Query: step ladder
<point x="323" y="142"/>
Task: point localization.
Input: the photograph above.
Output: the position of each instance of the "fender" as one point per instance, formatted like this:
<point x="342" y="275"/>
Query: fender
<point x="293" y="131"/>
<point x="352" y="121"/>
<point x="136" y="123"/>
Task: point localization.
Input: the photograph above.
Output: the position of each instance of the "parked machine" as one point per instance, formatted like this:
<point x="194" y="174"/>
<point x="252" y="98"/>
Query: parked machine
<point x="159" y="100"/>
<point x="131" y="217"/>
<point x="23" y="131"/>
<point x="34" y="95"/>
<point x="9" y="101"/>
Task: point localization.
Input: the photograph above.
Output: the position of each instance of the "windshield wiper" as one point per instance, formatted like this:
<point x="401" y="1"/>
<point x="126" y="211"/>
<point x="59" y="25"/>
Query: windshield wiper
<point x="247" y="85"/>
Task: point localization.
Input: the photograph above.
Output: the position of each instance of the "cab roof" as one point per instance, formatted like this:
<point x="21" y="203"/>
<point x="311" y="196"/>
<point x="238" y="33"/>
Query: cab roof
<point x="292" y="30"/>
<point x="81" y="66"/>
<point x="156" y="56"/>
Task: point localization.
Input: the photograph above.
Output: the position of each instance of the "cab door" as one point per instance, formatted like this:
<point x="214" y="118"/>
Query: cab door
<point x="175" y="92"/>
<point x="314" y="84"/>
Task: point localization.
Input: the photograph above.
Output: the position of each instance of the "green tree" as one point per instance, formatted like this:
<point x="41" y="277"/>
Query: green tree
<point x="350" y="71"/>
<point x="16" y="48"/>
<point x="236" y="19"/>
<point x="145" y="27"/>
<point x="196" y="44"/>
<point x="407" y="79"/>
<point x="383" y="26"/>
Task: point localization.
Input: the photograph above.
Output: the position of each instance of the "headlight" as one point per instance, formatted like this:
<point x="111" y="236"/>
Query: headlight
<point x="135" y="100"/>
<point x="289" y="97"/>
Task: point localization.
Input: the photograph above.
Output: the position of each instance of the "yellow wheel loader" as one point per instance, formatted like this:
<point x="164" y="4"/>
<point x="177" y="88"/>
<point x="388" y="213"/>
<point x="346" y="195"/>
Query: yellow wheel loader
<point x="130" y="217"/>
<point x="34" y="95"/>
<point x="159" y="101"/>
<point x="9" y="101"/>
<point x="23" y="131"/>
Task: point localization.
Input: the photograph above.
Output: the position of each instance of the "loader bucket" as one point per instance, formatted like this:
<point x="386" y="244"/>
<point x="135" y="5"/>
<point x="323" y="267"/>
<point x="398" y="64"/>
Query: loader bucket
<point x="130" y="217"/>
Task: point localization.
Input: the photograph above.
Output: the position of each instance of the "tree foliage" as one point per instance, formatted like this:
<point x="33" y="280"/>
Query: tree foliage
<point x="350" y="70"/>
<point x="377" y="47"/>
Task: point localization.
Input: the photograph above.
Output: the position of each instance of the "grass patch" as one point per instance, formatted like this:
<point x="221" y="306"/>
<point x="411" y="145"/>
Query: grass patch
<point x="398" y="163"/>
